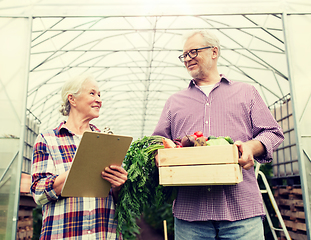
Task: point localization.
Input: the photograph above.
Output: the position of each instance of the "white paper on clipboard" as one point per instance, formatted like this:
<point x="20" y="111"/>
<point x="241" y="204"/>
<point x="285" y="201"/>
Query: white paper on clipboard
<point x="95" y="152"/>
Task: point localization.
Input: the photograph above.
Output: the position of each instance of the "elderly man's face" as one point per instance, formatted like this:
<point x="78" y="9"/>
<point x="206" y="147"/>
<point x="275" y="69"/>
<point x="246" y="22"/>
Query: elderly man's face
<point x="199" y="66"/>
<point x="88" y="103"/>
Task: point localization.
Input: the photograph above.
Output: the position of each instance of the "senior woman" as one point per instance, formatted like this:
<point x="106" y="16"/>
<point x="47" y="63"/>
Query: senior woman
<point x="54" y="150"/>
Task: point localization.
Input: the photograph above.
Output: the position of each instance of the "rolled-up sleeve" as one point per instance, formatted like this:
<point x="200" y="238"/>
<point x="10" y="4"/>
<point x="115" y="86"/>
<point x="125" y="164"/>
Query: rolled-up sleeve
<point x="265" y="128"/>
<point x="43" y="173"/>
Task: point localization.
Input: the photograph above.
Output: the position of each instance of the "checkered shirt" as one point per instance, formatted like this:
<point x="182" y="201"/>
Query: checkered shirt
<point x="232" y="109"/>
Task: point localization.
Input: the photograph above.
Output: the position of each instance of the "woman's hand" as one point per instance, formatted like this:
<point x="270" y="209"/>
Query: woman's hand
<point x="59" y="182"/>
<point x="117" y="176"/>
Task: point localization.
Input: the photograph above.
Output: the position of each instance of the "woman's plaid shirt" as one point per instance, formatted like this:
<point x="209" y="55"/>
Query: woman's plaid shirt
<point x="67" y="218"/>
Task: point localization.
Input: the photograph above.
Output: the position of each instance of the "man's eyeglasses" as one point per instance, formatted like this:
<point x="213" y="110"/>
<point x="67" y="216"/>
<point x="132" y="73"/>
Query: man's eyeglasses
<point x="192" y="53"/>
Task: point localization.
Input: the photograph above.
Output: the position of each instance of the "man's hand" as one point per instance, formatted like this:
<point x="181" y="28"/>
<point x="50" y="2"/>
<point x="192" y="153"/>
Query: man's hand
<point x="156" y="159"/>
<point x="249" y="150"/>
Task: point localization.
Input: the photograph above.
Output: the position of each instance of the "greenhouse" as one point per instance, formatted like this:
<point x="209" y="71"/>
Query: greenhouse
<point x="132" y="49"/>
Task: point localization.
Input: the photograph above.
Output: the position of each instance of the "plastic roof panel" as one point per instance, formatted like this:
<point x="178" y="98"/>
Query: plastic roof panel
<point x="135" y="62"/>
<point x="132" y="49"/>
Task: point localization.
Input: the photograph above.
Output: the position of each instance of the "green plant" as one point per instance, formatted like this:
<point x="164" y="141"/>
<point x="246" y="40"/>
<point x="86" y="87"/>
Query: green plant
<point x="155" y="216"/>
<point x="142" y="189"/>
<point x="37" y="222"/>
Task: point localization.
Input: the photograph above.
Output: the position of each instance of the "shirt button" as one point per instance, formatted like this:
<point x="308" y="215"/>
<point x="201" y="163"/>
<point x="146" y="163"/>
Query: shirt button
<point x="209" y="189"/>
<point x="207" y="104"/>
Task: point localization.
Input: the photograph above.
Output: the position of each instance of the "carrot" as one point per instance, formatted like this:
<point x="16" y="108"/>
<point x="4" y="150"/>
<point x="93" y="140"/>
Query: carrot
<point x="168" y="143"/>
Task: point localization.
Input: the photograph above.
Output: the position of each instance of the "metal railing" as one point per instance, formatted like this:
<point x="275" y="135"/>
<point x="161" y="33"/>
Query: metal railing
<point x="268" y="191"/>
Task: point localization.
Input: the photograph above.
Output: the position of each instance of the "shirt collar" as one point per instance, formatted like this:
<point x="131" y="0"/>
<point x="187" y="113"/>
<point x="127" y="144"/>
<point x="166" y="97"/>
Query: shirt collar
<point x="223" y="78"/>
<point x="62" y="127"/>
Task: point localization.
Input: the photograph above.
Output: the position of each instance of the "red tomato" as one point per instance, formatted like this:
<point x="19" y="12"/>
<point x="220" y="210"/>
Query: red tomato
<point x="195" y="136"/>
<point x="198" y="134"/>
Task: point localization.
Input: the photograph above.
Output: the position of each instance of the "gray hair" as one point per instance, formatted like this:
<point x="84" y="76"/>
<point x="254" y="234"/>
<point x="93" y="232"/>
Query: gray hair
<point x="72" y="86"/>
<point x="208" y="36"/>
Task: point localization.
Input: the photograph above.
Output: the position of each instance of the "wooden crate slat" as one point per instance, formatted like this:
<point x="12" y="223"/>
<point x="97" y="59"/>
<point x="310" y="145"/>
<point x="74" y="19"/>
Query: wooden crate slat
<point x="218" y="174"/>
<point x="25" y="213"/>
<point x="198" y="155"/>
<point x="290" y="202"/>
<point x="292" y="215"/>
<point x="25" y="223"/>
<point x="295" y="225"/>
<point x="25" y="218"/>
<point x="295" y="235"/>
<point x="296" y="191"/>
<point x="289" y="190"/>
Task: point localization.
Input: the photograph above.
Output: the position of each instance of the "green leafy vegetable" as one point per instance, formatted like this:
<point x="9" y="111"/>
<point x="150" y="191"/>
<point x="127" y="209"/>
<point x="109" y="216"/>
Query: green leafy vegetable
<point x="142" y="188"/>
<point x="229" y="140"/>
<point x="217" y="141"/>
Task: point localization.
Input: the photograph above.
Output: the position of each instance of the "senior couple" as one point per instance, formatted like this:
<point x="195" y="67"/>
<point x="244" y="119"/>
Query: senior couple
<point x="221" y="107"/>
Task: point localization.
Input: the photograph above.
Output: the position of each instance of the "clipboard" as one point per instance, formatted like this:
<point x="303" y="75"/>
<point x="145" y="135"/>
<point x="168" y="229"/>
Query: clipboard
<point x="95" y="152"/>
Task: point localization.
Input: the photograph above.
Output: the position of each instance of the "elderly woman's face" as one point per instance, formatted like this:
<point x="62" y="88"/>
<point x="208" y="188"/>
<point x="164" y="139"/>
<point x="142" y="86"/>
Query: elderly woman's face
<point x="88" y="102"/>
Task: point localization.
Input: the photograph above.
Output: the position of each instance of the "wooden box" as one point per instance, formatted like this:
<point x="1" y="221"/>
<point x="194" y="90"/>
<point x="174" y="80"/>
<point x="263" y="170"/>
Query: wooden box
<point x="204" y="165"/>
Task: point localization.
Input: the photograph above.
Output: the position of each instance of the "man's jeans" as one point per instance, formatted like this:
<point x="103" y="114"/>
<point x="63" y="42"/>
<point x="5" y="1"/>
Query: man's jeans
<point x="247" y="229"/>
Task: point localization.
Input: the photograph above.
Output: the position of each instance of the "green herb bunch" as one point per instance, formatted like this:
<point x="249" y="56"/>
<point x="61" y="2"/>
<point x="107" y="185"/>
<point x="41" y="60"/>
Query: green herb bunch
<point x="142" y="188"/>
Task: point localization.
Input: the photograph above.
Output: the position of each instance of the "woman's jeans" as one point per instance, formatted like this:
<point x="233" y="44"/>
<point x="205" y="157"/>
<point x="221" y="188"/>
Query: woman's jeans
<point x="247" y="229"/>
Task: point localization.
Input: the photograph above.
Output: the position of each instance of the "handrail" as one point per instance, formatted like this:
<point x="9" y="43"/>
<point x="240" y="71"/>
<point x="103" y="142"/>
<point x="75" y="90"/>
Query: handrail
<point x="274" y="204"/>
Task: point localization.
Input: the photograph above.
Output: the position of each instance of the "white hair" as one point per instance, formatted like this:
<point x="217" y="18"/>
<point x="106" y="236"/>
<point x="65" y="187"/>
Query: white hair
<point x="209" y="38"/>
<point x="72" y="86"/>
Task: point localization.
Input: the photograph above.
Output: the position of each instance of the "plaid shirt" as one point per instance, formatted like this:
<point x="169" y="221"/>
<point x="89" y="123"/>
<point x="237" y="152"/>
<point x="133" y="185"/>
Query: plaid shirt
<point x="232" y="109"/>
<point x="67" y="218"/>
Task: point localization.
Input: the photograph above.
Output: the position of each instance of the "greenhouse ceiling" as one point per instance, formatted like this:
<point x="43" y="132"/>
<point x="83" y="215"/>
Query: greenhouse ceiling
<point x="132" y="47"/>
